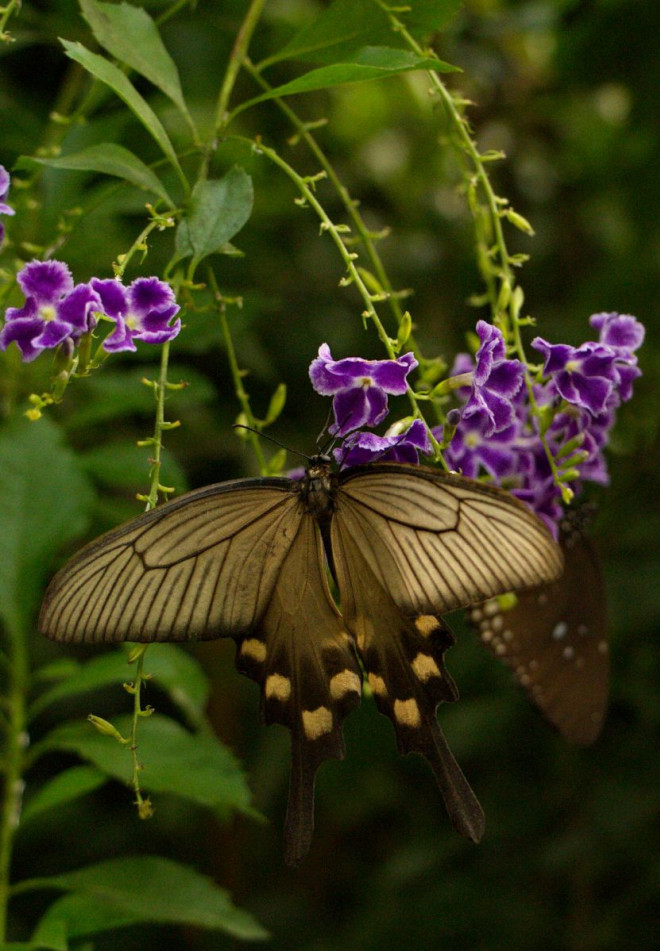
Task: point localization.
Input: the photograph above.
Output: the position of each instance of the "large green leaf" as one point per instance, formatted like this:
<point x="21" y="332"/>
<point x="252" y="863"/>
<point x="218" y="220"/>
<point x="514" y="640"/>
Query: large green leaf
<point x="44" y="503"/>
<point x="67" y="785"/>
<point x="217" y="211"/>
<point x="345" y="26"/>
<point x="109" y="159"/>
<point x="130" y="35"/>
<point x="174" y="670"/>
<point x="108" y="73"/>
<point x="194" y="766"/>
<point x="141" y="889"/>
<point x="367" y="64"/>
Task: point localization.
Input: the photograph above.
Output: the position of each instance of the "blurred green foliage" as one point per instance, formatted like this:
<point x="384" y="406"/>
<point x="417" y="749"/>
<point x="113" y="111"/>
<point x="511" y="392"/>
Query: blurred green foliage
<point x="569" y="89"/>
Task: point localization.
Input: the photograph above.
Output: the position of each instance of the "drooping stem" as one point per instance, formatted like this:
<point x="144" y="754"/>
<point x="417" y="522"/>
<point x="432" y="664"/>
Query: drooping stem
<point x="13" y="756"/>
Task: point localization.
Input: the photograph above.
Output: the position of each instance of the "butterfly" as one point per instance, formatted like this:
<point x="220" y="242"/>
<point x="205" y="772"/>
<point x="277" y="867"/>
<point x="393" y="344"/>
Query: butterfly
<point x="554" y="638"/>
<point x="248" y="559"/>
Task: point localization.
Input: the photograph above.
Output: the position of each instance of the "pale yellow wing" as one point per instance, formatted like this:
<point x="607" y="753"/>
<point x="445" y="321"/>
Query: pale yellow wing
<point x="438" y="542"/>
<point x="199" y="567"/>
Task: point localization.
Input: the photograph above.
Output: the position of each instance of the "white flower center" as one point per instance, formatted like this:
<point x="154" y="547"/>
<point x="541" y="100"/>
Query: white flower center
<point x="132" y="322"/>
<point x="47" y="313"/>
<point x="572" y="366"/>
<point x="366" y="382"/>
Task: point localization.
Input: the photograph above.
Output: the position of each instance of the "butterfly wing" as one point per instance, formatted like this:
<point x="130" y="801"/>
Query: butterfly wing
<point x="409" y="544"/>
<point x="554" y="639"/>
<point x="243" y="560"/>
<point x="305" y="663"/>
<point x="199" y="567"/>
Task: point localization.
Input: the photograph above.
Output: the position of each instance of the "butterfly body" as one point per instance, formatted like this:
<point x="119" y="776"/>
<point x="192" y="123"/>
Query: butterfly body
<point x="248" y="559"/>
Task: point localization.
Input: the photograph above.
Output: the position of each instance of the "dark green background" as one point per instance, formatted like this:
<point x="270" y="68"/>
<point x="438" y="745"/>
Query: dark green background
<point x="569" y="90"/>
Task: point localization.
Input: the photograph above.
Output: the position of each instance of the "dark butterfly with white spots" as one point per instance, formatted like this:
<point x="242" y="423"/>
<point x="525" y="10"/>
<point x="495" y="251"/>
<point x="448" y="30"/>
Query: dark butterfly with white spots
<point x="248" y="559"/>
<point x="554" y="639"/>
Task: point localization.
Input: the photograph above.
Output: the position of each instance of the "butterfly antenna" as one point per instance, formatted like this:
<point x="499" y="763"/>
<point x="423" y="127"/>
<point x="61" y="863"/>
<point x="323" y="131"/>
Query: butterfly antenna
<point x="272" y="439"/>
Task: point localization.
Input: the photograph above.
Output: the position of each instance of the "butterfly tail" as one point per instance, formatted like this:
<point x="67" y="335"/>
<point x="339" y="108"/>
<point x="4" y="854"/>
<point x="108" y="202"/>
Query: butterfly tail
<point x="462" y="805"/>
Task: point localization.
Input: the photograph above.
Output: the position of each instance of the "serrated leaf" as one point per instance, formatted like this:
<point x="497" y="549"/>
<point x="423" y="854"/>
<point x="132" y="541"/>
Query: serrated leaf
<point x="109" y="159"/>
<point x="70" y="784"/>
<point x="217" y="211"/>
<point x="130" y="35"/>
<point x="108" y="73"/>
<point x="369" y="63"/>
<point x="148" y="888"/>
<point x="191" y="765"/>
<point x="347" y="25"/>
<point x="44" y="503"/>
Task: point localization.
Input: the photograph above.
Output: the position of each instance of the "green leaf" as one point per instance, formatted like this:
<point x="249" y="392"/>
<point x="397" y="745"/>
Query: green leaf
<point x="369" y="63"/>
<point x="108" y="159"/>
<point x="44" y="503"/>
<point x="347" y="25"/>
<point x="174" y="670"/>
<point x="217" y="211"/>
<point x="113" y="77"/>
<point x="130" y="35"/>
<point x="68" y="785"/>
<point x="191" y="765"/>
<point x="141" y="889"/>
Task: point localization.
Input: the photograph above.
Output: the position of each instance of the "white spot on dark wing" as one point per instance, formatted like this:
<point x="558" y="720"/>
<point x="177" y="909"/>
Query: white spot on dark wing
<point x="568" y="652"/>
<point x="560" y="630"/>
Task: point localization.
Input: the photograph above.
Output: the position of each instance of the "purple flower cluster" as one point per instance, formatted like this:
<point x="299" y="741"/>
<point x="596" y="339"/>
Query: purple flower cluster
<point x="57" y="311"/>
<point x="579" y="393"/>
<point x="495" y="431"/>
<point x="5" y="209"/>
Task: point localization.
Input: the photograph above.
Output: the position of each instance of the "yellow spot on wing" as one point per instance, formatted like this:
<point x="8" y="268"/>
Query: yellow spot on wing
<point x="345" y="682"/>
<point x="317" y="722"/>
<point x="279" y="687"/>
<point x="377" y="684"/>
<point x="254" y="649"/>
<point x="425" y="667"/>
<point x="407" y="712"/>
<point x="426" y="624"/>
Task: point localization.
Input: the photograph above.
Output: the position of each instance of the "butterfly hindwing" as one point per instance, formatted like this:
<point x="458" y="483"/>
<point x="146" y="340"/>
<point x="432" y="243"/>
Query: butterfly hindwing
<point x="305" y="663"/>
<point x="554" y="640"/>
<point x="404" y="662"/>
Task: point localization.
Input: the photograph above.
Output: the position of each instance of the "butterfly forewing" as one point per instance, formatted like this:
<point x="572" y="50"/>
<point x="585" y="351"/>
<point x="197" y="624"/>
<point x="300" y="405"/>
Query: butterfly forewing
<point x="200" y="567"/>
<point x="554" y="640"/>
<point x="439" y="542"/>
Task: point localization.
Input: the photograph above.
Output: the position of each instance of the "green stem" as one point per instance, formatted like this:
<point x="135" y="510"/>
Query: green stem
<point x="237" y="374"/>
<point x="236" y="61"/>
<point x="145" y="810"/>
<point x="160" y="388"/>
<point x="14" y="759"/>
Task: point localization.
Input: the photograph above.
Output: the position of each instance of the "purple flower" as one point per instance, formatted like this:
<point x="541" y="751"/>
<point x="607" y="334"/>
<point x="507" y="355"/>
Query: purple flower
<point x="54" y="309"/>
<point x="141" y="311"/>
<point x="359" y="387"/>
<point x="5" y="209"/>
<point x="622" y="332"/>
<point x="585" y="375"/>
<point x="496" y="381"/>
<point x="362" y="447"/>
